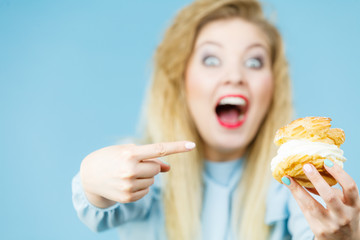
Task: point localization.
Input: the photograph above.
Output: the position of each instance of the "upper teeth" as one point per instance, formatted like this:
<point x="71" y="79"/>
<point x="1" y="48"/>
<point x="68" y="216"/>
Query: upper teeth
<point x="233" y="101"/>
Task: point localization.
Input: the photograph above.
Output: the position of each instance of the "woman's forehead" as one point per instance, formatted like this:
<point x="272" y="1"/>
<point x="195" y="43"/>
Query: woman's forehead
<point x="234" y="32"/>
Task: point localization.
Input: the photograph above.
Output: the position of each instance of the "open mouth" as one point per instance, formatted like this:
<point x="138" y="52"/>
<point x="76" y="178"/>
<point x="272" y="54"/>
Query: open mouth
<point x="231" y="110"/>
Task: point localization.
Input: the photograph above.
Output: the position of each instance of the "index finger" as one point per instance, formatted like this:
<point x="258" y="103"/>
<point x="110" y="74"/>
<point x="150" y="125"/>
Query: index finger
<point x="162" y="149"/>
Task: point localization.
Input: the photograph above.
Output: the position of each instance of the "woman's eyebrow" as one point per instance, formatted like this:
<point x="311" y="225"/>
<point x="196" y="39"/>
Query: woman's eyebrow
<point x="254" y="45"/>
<point x="208" y="42"/>
<point x="260" y="45"/>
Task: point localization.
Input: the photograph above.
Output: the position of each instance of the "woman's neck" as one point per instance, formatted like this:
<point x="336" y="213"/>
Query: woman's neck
<point x="217" y="155"/>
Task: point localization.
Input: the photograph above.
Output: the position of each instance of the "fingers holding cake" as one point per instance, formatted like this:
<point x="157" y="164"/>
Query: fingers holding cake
<point x="349" y="194"/>
<point x="332" y="200"/>
<point x="350" y="189"/>
<point x="341" y="216"/>
<point x="308" y="205"/>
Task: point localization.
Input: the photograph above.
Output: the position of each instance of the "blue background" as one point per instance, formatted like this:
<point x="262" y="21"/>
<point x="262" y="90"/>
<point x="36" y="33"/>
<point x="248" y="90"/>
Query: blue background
<point x="73" y="75"/>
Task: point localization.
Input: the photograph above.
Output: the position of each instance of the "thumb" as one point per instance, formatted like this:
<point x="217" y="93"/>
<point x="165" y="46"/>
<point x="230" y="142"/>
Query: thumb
<point x="164" y="166"/>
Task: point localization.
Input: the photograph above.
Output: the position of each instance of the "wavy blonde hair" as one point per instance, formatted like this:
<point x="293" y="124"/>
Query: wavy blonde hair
<point x="168" y="119"/>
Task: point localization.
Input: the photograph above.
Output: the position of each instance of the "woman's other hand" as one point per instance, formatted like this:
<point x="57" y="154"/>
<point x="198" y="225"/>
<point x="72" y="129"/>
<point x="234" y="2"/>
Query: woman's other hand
<point x="124" y="173"/>
<point x="340" y="218"/>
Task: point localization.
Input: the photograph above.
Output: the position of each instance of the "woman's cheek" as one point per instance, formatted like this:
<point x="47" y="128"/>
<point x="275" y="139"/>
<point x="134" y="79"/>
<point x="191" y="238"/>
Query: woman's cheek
<point x="201" y="82"/>
<point x="196" y="89"/>
<point x="192" y="82"/>
<point x="265" y="85"/>
<point x="262" y="91"/>
<point x="267" y="93"/>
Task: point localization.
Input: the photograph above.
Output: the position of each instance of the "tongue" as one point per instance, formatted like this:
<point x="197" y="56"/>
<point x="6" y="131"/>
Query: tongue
<point x="229" y="116"/>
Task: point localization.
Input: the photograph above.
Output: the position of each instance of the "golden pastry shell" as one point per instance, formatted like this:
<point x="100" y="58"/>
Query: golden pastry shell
<point x="315" y="129"/>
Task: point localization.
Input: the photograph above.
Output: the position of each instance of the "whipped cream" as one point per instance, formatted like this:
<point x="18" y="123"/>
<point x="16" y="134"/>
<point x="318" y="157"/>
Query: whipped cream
<point x="306" y="147"/>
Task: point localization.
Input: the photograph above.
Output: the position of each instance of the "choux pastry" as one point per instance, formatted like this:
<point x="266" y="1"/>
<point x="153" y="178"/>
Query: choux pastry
<point x="307" y="140"/>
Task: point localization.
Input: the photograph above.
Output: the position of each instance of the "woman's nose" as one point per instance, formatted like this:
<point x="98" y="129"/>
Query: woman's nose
<point x="234" y="75"/>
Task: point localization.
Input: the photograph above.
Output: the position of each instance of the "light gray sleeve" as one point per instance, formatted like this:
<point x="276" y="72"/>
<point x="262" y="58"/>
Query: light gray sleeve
<point x="101" y="219"/>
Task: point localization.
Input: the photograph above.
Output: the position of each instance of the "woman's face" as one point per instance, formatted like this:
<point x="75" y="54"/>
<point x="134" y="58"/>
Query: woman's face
<point x="229" y="86"/>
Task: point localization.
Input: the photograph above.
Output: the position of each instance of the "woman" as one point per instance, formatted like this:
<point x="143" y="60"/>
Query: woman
<point x="220" y="81"/>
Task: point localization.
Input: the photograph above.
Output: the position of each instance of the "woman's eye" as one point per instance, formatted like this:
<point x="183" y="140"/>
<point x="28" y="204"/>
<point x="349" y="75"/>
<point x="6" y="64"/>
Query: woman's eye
<point x="211" y="61"/>
<point x="253" y="63"/>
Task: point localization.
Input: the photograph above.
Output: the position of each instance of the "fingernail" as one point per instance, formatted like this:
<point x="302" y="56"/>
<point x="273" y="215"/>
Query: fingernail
<point x="286" y="180"/>
<point x="307" y="168"/>
<point x="190" y="145"/>
<point x="328" y="163"/>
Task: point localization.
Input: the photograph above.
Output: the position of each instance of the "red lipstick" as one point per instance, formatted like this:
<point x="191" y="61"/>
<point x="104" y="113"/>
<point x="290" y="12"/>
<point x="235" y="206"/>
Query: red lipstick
<point x="231" y="110"/>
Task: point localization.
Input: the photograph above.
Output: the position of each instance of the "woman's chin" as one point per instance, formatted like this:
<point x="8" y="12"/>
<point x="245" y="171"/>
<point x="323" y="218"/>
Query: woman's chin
<point x="226" y="150"/>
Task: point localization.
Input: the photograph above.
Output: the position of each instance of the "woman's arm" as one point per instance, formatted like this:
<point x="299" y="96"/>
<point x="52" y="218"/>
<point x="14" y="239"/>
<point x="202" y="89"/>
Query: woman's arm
<point x="113" y="184"/>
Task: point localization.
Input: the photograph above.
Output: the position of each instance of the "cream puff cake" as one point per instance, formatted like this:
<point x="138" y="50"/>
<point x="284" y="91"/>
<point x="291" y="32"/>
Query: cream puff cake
<point x="307" y="140"/>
